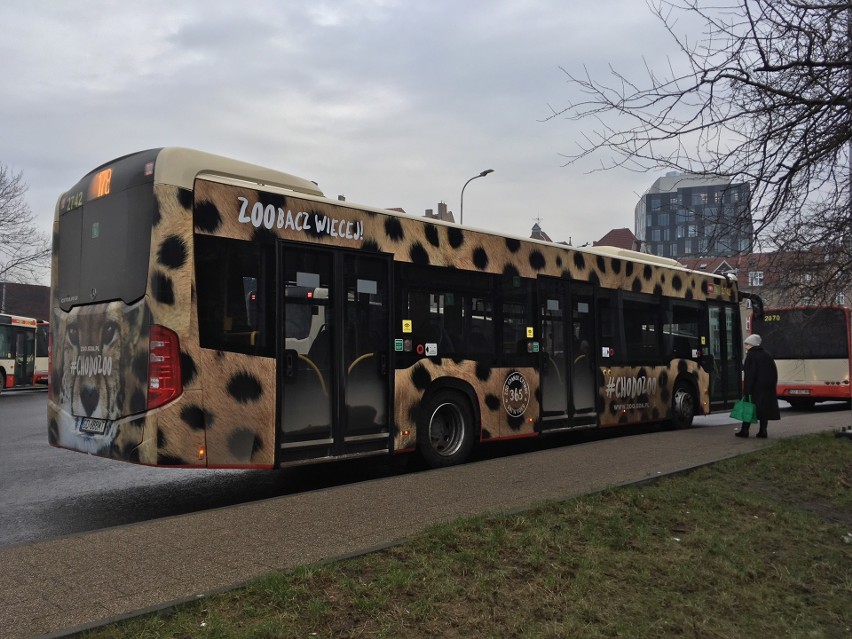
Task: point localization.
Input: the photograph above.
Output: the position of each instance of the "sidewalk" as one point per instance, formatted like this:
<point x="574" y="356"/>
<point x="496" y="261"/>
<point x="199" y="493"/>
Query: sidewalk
<point x="59" y="586"/>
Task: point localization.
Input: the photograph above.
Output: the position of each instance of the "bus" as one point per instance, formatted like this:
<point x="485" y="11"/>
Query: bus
<point x="18" y="361"/>
<point x="810" y="345"/>
<point x="41" y="374"/>
<point x="211" y="313"/>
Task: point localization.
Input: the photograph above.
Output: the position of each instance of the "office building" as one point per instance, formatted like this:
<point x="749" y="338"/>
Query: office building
<point x="686" y="215"/>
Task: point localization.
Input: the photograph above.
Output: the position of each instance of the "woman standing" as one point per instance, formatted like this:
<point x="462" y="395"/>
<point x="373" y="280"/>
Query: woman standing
<point x="760" y="379"/>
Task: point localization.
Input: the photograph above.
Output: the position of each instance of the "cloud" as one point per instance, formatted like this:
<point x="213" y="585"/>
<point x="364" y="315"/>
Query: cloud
<point x="391" y="103"/>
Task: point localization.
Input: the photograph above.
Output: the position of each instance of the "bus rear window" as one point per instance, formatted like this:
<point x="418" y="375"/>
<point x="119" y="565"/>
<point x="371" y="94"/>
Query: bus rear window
<point x="104" y="247"/>
<point x="808" y="333"/>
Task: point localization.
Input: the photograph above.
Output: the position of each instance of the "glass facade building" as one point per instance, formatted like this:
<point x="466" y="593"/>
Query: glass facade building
<point x="685" y="215"/>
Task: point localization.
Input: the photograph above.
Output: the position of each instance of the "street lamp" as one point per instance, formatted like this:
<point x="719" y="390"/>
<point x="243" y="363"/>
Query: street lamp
<point x="461" y="205"/>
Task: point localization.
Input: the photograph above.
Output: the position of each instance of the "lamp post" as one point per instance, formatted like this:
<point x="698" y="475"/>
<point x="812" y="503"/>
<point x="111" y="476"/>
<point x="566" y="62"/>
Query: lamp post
<point x="461" y="204"/>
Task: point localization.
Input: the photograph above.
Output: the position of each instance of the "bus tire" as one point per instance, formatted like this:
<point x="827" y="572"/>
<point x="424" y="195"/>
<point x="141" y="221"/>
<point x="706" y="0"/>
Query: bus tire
<point x="2" y="380"/>
<point x="445" y="429"/>
<point x="683" y="406"/>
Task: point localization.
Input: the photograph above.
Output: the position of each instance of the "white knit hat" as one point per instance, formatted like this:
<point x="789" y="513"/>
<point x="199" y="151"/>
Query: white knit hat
<point x="753" y="340"/>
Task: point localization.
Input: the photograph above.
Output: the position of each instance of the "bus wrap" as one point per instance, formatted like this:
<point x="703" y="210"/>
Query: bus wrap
<point x="212" y="313"/>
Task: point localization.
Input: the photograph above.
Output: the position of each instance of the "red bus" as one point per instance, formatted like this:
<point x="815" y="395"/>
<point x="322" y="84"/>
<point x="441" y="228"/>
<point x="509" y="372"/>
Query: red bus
<point x="18" y="353"/>
<point x="811" y="346"/>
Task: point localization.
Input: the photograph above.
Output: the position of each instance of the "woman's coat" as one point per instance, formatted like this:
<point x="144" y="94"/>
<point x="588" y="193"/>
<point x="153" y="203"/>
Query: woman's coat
<point x="760" y="380"/>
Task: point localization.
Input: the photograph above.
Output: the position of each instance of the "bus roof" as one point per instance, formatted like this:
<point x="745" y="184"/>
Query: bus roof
<point x="635" y="256"/>
<point x="180" y="167"/>
<point x="17" y="320"/>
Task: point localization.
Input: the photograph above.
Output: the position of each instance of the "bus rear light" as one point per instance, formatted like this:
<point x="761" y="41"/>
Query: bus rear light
<point x="164" y="381"/>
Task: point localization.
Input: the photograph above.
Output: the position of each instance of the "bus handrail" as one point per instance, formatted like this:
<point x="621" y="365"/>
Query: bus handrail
<point x="358" y="361"/>
<point x="310" y="363"/>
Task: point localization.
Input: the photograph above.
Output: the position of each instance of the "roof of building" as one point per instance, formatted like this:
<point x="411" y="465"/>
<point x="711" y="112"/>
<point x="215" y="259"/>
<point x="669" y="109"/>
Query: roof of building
<point x="671" y="182"/>
<point x="27" y="300"/>
<point x="718" y="265"/>
<point x="619" y="238"/>
<point x="773" y="266"/>
<point x="538" y="234"/>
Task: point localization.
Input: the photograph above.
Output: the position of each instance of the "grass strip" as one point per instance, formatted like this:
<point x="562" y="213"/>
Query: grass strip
<point x="756" y="546"/>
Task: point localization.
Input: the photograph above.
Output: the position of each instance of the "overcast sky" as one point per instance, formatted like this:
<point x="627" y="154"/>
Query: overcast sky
<point x="389" y="102"/>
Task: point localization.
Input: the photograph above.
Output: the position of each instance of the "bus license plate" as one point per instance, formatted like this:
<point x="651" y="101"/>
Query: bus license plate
<point x="800" y="391"/>
<point x="93" y="426"/>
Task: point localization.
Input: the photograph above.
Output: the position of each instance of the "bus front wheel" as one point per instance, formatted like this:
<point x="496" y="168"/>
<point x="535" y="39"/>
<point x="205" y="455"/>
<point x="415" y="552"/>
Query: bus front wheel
<point x="445" y="429"/>
<point x="683" y="406"/>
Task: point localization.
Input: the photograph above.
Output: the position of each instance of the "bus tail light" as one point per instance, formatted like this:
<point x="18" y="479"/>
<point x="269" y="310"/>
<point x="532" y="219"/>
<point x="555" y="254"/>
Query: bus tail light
<point x="164" y="381"/>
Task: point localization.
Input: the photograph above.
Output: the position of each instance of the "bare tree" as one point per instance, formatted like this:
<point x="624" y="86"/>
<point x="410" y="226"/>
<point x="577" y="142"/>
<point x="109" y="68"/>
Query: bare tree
<point x="24" y="252"/>
<point x="761" y="96"/>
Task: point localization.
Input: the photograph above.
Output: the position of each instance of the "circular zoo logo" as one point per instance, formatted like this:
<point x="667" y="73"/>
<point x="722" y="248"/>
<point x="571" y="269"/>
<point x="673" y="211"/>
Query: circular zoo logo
<point x="516" y="394"/>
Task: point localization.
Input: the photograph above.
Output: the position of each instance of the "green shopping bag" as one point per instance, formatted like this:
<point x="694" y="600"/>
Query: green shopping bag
<point x="744" y="411"/>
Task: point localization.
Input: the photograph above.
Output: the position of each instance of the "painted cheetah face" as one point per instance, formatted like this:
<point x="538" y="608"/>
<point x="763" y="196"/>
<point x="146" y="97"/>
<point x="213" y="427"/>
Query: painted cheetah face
<point x="101" y="350"/>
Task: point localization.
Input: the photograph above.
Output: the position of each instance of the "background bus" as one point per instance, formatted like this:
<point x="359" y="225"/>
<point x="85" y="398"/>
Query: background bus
<point x="208" y="312"/>
<point x="42" y="353"/>
<point x="810" y="345"/>
<point x="17" y="351"/>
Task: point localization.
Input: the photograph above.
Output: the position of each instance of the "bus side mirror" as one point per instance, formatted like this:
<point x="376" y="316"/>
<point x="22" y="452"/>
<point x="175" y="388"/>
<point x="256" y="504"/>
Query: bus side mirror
<point x="756" y="304"/>
<point x="757" y="307"/>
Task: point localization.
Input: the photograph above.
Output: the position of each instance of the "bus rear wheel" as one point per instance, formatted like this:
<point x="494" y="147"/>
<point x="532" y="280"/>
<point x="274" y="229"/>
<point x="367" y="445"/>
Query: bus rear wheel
<point x="445" y="429"/>
<point x="683" y="406"/>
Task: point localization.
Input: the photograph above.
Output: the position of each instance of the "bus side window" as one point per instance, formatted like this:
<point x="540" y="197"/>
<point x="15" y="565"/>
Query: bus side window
<point x="230" y="285"/>
<point x="641" y="323"/>
<point x="610" y="335"/>
<point x="454" y="321"/>
<point x="517" y="315"/>
<point x="682" y="332"/>
<point x="417" y="310"/>
<point x="480" y="336"/>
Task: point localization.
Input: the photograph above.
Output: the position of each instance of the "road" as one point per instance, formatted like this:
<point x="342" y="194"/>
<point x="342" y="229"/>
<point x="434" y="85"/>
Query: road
<point x="47" y="492"/>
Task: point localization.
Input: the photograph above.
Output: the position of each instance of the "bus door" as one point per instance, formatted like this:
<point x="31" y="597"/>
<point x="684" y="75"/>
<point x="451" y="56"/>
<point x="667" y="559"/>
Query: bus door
<point x="24" y="356"/>
<point x="567" y="355"/>
<point x="722" y="358"/>
<point x="335" y="382"/>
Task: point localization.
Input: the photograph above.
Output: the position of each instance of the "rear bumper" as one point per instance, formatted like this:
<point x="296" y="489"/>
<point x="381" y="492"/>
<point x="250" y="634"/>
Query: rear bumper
<point x="816" y="392"/>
